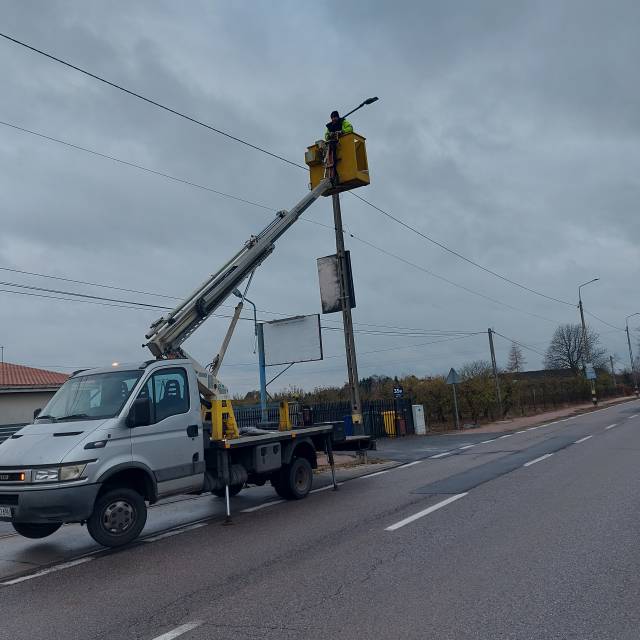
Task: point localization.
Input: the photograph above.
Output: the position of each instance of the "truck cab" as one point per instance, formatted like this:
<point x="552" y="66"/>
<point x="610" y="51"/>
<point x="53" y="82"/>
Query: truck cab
<point x="109" y="440"/>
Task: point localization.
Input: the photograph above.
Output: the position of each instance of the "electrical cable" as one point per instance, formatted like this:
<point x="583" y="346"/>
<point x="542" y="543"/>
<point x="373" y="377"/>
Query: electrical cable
<point x="279" y="157"/>
<point x="351" y="234"/>
<point x="457" y="254"/>
<point x="150" y="101"/>
<point x="521" y="344"/>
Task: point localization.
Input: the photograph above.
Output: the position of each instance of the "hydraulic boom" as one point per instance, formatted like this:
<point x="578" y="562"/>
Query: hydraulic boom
<point x="169" y="332"/>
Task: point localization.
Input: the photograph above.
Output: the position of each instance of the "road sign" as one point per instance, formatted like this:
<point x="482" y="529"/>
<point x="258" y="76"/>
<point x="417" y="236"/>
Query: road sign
<point x="398" y="391"/>
<point x="590" y="372"/>
<point x="453" y="377"/>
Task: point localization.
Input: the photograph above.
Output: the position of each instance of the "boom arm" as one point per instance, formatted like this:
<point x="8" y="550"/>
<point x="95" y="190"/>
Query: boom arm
<point x="168" y="332"/>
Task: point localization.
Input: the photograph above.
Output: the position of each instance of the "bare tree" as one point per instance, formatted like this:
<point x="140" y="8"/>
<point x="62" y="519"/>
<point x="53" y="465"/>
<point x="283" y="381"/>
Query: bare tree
<point x="516" y="360"/>
<point x="567" y="349"/>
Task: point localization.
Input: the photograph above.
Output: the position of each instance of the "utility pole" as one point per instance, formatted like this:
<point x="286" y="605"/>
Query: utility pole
<point x="613" y="371"/>
<point x="495" y="371"/>
<point x="585" y="340"/>
<point x="633" y="369"/>
<point x="347" y="322"/>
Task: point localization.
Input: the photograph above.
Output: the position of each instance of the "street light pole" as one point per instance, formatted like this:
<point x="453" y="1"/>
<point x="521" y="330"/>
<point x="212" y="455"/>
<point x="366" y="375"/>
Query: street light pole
<point x="258" y="332"/>
<point x="633" y="369"/>
<point x="347" y="321"/>
<point x="585" y="340"/>
<point x="346" y="302"/>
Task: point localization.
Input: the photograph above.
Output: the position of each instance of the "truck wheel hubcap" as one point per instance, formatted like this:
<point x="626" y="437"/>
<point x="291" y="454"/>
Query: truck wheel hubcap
<point x="118" y="517"/>
<point x="301" y="478"/>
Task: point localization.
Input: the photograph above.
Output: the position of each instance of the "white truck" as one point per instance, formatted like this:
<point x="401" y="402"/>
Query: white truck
<point x="113" y="440"/>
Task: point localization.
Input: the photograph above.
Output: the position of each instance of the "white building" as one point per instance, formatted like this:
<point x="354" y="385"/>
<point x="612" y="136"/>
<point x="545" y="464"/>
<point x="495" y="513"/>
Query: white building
<point x="23" y="390"/>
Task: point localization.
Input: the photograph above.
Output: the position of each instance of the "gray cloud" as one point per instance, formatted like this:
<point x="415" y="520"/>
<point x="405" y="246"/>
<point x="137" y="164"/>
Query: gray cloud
<point x="507" y="130"/>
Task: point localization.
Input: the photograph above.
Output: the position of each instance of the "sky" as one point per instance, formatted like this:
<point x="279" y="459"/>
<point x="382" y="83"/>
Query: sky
<point x="507" y="131"/>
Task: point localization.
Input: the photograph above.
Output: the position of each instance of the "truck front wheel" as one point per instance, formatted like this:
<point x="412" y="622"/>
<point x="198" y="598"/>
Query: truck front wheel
<point x="36" y="531"/>
<point x="293" y="481"/>
<point x="118" y="517"/>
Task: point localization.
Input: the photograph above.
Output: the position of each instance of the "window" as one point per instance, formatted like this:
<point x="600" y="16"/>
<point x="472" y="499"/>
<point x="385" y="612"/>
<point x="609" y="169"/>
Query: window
<point x="90" y="397"/>
<point x="169" y="391"/>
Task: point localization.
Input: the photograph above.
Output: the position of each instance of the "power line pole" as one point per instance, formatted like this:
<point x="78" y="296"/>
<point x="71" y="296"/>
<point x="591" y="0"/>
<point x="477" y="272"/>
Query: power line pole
<point x="587" y="351"/>
<point x="613" y="371"/>
<point x="633" y="369"/>
<point x="495" y="371"/>
<point x="347" y="322"/>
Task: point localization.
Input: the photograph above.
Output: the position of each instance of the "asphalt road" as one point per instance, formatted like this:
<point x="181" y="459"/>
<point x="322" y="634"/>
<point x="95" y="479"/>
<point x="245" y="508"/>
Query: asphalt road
<point x="525" y="535"/>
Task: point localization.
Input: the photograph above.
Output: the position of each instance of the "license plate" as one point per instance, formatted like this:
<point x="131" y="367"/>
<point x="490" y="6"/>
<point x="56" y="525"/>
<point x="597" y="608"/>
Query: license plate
<point x="5" y="512"/>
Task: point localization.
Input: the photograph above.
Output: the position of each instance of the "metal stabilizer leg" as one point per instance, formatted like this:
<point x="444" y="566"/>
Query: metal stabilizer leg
<point x="329" y="451"/>
<point x="227" y="520"/>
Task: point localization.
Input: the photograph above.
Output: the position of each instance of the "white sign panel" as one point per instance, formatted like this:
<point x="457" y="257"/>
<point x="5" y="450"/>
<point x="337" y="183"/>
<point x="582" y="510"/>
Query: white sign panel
<point x="329" y="284"/>
<point x="296" y="339"/>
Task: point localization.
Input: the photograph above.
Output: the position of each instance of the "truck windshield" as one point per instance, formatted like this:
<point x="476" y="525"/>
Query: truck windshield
<point x="89" y="397"/>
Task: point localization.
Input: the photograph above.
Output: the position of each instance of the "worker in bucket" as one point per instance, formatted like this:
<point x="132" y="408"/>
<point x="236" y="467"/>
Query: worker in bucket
<point x="337" y="127"/>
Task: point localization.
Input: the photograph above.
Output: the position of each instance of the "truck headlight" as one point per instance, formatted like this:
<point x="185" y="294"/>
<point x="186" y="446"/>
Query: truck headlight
<point x="72" y="472"/>
<point x="59" y="474"/>
<point x="45" y="475"/>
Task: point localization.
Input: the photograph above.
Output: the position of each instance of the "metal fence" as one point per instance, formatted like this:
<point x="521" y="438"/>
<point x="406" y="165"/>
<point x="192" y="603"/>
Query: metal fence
<point x="381" y="418"/>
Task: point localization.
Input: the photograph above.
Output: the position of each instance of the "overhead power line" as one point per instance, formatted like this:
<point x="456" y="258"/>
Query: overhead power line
<point x="162" y="295"/>
<point x="458" y="254"/>
<point x="283" y="159"/>
<point x="331" y="227"/>
<point x="613" y="326"/>
<point x="135" y="165"/>
<point x="520" y="344"/>
<point x="150" y="101"/>
<point x="72" y="296"/>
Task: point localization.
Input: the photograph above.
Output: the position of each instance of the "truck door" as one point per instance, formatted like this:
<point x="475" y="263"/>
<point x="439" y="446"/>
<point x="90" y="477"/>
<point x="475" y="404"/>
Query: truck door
<point x="171" y="446"/>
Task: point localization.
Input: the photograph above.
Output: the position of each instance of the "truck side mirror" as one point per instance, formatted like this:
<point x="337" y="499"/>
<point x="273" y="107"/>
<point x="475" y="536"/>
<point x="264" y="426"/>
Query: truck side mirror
<point x="140" y="413"/>
<point x="36" y="413"/>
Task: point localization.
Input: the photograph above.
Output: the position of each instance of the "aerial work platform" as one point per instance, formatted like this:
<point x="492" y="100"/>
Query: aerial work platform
<point x="351" y="163"/>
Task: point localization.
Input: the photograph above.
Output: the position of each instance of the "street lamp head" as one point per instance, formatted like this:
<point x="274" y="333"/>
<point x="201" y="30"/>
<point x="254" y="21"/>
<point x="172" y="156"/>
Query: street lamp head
<point x="370" y="100"/>
<point x="237" y="293"/>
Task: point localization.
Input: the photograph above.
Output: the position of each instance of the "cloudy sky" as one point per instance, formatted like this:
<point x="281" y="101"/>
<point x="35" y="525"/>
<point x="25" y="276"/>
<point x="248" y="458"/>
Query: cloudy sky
<point x="506" y="130"/>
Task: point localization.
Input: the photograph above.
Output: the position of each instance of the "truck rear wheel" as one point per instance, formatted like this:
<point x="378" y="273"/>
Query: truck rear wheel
<point x="118" y="517"/>
<point x="36" y="531"/>
<point x="293" y="481"/>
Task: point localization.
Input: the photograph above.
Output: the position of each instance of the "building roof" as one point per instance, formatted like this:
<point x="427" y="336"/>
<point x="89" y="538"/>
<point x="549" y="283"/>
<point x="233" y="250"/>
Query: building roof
<point x="17" y="375"/>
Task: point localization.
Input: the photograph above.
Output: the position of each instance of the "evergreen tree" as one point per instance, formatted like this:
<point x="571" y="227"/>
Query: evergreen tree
<point x="516" y="360"/>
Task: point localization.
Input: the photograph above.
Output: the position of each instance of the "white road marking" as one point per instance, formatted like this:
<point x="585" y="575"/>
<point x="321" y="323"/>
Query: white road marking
<point x="582" y="439"/>
<point x="488" y="441"/>
<point x="441" y="455"/>
<point x="44" y="572"/>
<point x="533" y="428"/>
<point x="425" y="512"/>
<point x="544" y="457"/>
<point x="175" y="532"/>
<point x="329" y="486"/>
<point x="615" y="424"/>
<point x="373" y="475"/>
<point x="521" y="431"/>
<point x="182" y="629"/>
<point x="409" y="464"/>
<point x="467" y="446"/>
<point x="262" y="506"/>
<point x="508" y="435"/>
<point x="635" y="415"/>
